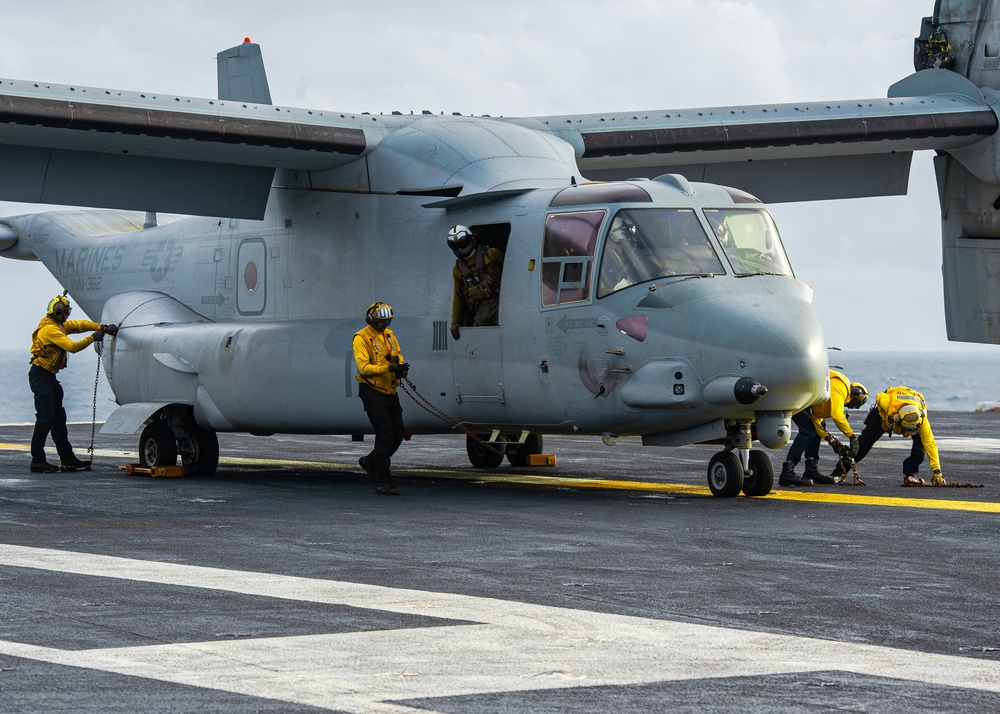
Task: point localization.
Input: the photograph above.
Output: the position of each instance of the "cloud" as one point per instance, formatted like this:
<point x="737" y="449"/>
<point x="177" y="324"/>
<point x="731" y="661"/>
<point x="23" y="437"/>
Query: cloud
<point x="523" y="58"/>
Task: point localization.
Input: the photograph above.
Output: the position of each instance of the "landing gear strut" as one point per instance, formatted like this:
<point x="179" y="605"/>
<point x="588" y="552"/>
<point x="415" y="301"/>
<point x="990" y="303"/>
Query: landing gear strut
<point x="738" y="468"/>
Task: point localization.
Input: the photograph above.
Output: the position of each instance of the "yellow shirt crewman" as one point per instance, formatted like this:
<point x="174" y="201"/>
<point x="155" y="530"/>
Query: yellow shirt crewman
<point x="49" y="345"/>
<point x="380" y="368"/>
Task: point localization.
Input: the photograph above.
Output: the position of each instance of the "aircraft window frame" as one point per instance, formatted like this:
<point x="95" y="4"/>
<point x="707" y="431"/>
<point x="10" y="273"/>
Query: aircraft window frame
<point x="750" y="250"/>
<point x="739" y="196"/>
<point x="591" y="193"/>
<point x="569" y="244"/>
<point x="648" y="244"/>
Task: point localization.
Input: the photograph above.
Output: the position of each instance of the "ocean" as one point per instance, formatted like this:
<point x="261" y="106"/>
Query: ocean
<point x="950" y="381"/>
<point x="17" y="406"/>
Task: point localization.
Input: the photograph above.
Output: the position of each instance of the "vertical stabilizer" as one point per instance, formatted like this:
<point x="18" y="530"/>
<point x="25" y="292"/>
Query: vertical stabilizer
<point x="241" y="74"/>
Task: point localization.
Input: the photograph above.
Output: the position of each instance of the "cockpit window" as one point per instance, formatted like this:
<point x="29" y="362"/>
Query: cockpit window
<point x="750" y="240"/>
<point x="645" y="244"/>
<point x="568" y="256"/>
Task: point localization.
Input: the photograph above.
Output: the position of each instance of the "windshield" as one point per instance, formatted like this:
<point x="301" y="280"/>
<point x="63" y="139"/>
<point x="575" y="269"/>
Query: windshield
<point x="750" y="240"/>
<point x="650" y="243"/>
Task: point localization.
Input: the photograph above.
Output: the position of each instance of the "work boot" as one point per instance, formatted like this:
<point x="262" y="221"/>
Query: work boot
<point x="788" y="477"/>
<point x="386" y="489"/>
<point x="368" y="468"/>
<point x="75" y="464"/>
<point x="43" y="467"/>
<point x="819" y="478"/>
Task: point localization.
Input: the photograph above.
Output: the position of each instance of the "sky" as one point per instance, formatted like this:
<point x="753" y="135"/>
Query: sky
<point x="528" y="58"/>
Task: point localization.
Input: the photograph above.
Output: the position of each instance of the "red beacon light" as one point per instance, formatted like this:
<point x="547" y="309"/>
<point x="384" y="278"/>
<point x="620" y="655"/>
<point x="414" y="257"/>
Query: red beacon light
<point x="246" y="40"/>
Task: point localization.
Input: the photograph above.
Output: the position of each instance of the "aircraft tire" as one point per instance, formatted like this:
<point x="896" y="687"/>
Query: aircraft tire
<point x="760" y="479"/>
<point x="205" y="459"/>
<point x="517" y="454"/>
<point x="157" y="446"/>
<point x="725" y="475"/>
<point x="479" y="455"/>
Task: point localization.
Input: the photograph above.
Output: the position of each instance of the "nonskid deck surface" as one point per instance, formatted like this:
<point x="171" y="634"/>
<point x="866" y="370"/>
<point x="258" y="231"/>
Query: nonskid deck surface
<point x="612" y="581"/>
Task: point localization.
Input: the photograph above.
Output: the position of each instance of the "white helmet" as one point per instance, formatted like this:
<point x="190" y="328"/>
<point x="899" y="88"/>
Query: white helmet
<point x="461" y="241"/>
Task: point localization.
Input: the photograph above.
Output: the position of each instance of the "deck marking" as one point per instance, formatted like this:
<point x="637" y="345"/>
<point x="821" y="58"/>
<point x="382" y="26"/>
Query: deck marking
<point x="529" y="479"/>
<point x="516" y="647"/>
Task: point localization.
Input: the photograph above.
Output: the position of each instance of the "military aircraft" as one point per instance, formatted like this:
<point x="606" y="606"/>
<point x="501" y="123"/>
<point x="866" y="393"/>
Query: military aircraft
<point x="645" y="288"/>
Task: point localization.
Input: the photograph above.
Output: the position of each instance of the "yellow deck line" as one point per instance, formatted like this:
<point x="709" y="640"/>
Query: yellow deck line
<point x="619" y="485"/>
<point x="816" y="497"/>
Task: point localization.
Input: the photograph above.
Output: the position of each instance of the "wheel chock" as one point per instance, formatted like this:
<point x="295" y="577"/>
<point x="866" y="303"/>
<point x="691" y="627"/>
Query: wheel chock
<point x="541" y="459"/>
<point x="155" y="471"/>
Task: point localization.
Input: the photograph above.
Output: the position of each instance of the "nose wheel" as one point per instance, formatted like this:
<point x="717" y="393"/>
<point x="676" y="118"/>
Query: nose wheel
<point x="725" y="474"/>
<point x="759" y="478"/>
<point x="739" y="468"/>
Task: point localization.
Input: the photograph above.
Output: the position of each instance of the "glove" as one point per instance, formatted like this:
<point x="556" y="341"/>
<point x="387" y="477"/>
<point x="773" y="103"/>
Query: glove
<point x="98" y="336"/>
<point x="836" y="445"/>
<point x="109" y="329"/>
<point x="405" y="372"/>
<point x="399" y="367"/>
<point x="855" y="446"/>
<point x="454" y="332"/>
<point x="938" y="479"/>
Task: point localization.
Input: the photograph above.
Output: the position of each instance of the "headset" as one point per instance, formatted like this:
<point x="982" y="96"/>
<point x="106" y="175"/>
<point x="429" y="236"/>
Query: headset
<point x="59" y="306"/>
<point x="378" y="311"/>
<point x="858" y="396"/>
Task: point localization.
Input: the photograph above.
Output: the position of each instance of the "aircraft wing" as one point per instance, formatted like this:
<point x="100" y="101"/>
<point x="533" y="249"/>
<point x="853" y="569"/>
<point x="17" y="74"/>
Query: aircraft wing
<point x="143" y="151"/>
<point x="107" y="148"/>
<point x="786" y="152"/>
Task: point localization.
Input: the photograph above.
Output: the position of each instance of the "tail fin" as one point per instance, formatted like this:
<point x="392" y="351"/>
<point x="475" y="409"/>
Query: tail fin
<point x="241" y="74"/>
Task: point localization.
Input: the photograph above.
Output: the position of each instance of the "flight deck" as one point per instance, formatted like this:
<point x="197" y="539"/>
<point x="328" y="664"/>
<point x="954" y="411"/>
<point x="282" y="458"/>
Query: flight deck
<point x="611" y="581"/>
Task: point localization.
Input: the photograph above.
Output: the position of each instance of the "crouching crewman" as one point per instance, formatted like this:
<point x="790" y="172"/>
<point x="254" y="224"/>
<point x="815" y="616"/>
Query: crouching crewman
<point x="903" y="411"/>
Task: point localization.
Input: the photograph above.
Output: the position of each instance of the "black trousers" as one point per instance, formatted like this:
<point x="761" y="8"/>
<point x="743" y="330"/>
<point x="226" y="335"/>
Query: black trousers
<point x="50" y="417"/>
<point x="807" y="440"/>
<point x="386" y="417"/>
<point x="872" y="432"/>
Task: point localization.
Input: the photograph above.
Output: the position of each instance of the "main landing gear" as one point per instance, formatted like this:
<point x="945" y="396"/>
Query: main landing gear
<point x="739" y="468"/>
<point x="486" y="451"/>
<point x="173" y="433"/>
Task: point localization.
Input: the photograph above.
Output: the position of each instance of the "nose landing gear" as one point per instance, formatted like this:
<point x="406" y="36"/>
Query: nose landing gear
<point x="750" y="471"/>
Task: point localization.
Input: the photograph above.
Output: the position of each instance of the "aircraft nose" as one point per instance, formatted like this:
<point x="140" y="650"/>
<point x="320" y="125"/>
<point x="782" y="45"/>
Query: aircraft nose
<point x="731" y="343"/>
<point x="782" y="346"/>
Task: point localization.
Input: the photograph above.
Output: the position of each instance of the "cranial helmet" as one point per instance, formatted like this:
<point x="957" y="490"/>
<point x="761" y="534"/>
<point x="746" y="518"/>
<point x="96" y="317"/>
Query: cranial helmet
<point x="461" y="241"/>
<point x="909" y="418"/>
<point x="59" y="306"/>
<point x="378" y="311"/>
<point x="859" y="395"/>
<point x="623" y="230"/>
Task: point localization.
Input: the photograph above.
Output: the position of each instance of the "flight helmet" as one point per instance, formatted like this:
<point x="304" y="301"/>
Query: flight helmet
<point x="909" y="418"/>
<point x="461" y="241"/>
<point x="378" y="311"/>
<point x="59" y="307"/>
<point x="859" y="395"/>
<point x="623" y="230"/>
